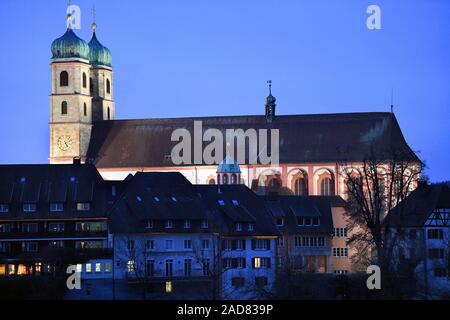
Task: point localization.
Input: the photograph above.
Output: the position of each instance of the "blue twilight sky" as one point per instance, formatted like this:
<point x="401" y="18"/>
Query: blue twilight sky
<point x="175" y="58"/>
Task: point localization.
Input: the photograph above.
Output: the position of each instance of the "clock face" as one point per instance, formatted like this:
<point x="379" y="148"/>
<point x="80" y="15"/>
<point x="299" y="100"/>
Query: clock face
<point x="65" y="143"/>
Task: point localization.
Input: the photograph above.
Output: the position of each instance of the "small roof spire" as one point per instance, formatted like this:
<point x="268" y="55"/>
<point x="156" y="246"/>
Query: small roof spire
<point x="270" y="86"/>
<point x="392" y="100"/>
<point x="94" y="25"/>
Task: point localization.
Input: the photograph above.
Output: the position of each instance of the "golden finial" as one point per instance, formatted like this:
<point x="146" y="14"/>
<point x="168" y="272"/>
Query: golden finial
<point x="94" y="25"/>
<point x="69" y="16"/>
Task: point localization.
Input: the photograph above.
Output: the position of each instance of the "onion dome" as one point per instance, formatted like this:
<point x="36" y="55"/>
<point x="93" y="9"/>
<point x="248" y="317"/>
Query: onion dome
<point x="99" y="55"/>
<point x="228" y="165"/>
<point x="70" y="46"/>
<point x="270" y="100"/>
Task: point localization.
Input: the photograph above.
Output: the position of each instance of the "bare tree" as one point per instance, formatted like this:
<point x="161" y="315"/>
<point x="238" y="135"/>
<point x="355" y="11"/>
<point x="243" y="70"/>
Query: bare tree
<point x="374" y="188"/>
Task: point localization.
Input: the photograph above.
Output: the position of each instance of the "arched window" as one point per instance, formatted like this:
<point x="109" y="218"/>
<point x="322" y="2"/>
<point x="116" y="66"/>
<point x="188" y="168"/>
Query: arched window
<point x="85" y="109"/>
<point x="327" y="186"/>
<point x="212" y="181"/>
<point x="233" y="178"/>
<point x="108" y="86"/>
<point x="225" y="179"/>
<point x="91" y="86"/>
<point x="109" y="114"/>
<point x="64" y="107"/>
<point x="84" y="80"/>
<point x="301" y="186"/>
<point x="63" y="79"/>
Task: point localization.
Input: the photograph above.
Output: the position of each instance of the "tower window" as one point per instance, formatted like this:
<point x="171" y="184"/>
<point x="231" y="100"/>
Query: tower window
<point x="63" y="79"/>
<point x="91" y="86"/>
<point x="108" y="86"/>
<point x="85" y="109"/>
<point x="84" y="80"/>
<point x="64" y="107"/>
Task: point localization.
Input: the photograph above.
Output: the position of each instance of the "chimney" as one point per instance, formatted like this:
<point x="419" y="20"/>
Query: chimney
<point x="77" y="160"/>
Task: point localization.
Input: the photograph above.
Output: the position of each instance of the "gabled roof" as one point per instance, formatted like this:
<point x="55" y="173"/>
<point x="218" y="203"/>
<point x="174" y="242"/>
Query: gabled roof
<point x="43" y="184"/>
<point x="419" y="205"/>
<point x="156" y="196"/>
<point x="231" y="204"/>
<point x="303" y="138"/>
<point x="292" y="207"/>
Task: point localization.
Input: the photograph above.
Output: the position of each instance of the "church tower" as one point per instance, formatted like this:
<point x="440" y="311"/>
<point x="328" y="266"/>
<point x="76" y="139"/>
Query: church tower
<point x="101" y="80"/>
<point x="81" y="93"/>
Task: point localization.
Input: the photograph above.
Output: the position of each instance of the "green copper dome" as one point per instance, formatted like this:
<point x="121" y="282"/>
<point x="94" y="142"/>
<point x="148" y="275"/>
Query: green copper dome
<point x="228" y="165"/>
<point x="99" y="55"/>
<point x="70" y="46"/>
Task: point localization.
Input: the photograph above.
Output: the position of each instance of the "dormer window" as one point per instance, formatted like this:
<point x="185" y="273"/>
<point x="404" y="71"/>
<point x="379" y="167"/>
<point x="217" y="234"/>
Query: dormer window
<point x="168" y="224"/>
<point x="204" y="224"/>
<point x="149" y="224"/>
<point x="174" y="199"/>
<point x="4" y="208"/>
<point x="280" y="221"/>
<point x="29" y="207"/>
<point x="251" y="227"/>
<point x="187" y="224"/>
<point x="221" y="202"/>
<point x="156" y="199"/>
<point x="235" y="202"/>
<point x="56" y="207"/>
<point x="83" y="206"/>
<point x="238" y="226"/>
<point x="139" y="199"/>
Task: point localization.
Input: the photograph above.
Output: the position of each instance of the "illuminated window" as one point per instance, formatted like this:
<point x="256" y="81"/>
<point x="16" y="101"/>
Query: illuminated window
<point x="257" y="263"/>
<point x="98" y="267"/>
<point x="169" y="287"/>
<point x="79" y="268"/>
<point x="83" y="206"/>
<point x="37" y="267"/>
<point x="11" y="269"/>
<point x="88" y="267"/>
<point x="130" y="266"/>
<point x="107" y="267"/>
<point x="2" y="269"/>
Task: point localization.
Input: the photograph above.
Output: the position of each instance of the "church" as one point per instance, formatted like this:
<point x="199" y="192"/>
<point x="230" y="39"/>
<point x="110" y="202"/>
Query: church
<point x="312" y="148"/>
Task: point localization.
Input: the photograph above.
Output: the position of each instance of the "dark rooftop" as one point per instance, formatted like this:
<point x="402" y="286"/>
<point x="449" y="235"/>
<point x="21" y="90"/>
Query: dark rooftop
<point x="303" y="138"/>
